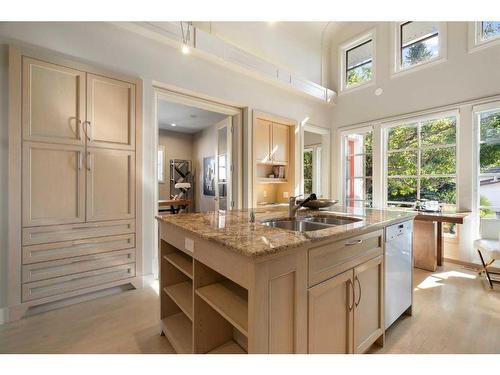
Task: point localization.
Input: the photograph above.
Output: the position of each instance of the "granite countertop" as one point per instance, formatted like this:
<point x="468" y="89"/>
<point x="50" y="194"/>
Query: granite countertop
<point x="233" y="230"/>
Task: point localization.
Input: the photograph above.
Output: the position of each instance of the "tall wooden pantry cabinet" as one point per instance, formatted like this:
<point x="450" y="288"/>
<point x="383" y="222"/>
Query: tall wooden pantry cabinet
<point x="75" y="148"/>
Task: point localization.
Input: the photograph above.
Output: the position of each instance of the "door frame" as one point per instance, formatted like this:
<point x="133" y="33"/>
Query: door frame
<point x="229" y="182"/>
<point x="174" y="95"/>
<point x="325" y="156"/>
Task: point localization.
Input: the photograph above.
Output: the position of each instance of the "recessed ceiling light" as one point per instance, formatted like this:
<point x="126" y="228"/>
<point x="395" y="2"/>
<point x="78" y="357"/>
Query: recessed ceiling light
<point x="173" y="124"/>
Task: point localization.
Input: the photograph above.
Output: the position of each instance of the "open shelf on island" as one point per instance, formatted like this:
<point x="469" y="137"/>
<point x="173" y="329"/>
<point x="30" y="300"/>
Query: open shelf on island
<point x="229" y="300"/>
<point x="179" y="331"/>
<point x="182" y="295"/>
<point x="229" y="347"/>
<point x="182" y="262"/>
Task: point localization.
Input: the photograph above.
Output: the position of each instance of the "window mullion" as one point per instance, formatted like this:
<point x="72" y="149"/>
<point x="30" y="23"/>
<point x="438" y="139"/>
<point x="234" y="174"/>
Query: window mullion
<point x="419" y="156"/>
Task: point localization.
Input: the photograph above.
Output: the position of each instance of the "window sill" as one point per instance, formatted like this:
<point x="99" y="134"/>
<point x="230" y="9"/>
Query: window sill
<point x="418" y="67"/>
<point x="348" y="90"/>
<point x="479" y="46"/>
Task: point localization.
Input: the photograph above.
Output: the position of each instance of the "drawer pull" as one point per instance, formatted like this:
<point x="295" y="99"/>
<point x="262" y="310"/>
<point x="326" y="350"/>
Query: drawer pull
<point x="353" y="242"/>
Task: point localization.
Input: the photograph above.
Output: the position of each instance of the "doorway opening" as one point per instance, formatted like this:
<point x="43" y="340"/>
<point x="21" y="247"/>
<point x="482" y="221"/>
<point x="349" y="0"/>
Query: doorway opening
<point x="198" y="157"/>
<point x="315" y="169"/>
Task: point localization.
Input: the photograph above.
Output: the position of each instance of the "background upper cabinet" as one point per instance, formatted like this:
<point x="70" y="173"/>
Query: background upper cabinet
<point x="110" y="184"/>
<point x="110" y="113"/>
<point x="330" y="316"/>
<point x="279" y="148"/>
<point x="53" y="184"/>
<point x="271" y="142"/>
<point x="262" y="140"/>
<point x="53" y="102"/>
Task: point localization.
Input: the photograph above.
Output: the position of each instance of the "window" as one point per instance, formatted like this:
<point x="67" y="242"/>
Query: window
<point x="308" y="171"/>
<point x="358" y="169"/>
<point x="488" y="124"/>
<point x="161" y="164"/>
<point x="421" y="162"/>
<point x="483" y="34"/>
<point x="418" y="43"/>
<point x="312" y="170"/>
<point x="489" y="29"/>
<point x="357" y="65"/>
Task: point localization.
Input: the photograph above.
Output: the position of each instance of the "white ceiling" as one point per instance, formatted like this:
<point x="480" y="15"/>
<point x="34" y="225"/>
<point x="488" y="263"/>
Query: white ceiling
<point x="187" y="119"/>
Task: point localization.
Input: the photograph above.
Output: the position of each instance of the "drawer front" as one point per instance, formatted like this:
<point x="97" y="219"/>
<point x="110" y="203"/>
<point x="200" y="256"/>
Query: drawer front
<point x="179" y="239"/>
<point x="69" y="249"/>
<point x="70" y="266"/>
<point x="58" y="233"/>
<point x="64" y="284"/>
<point x="336" y="257"/>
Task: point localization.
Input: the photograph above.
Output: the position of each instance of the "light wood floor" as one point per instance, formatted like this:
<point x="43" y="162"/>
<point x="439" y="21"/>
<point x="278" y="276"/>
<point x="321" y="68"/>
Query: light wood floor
<point x="454" y="312"/>
<point x="122" y="323"/>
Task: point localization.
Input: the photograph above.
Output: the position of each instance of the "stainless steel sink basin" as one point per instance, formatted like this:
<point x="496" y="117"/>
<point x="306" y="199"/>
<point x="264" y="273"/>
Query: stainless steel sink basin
<point x="332" y="219"/>
<point x="295" y="225"/>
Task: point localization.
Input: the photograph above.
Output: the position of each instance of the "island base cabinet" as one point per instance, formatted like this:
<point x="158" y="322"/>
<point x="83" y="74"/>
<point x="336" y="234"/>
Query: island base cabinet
<point x="368" y="305"/>
<point x="330" y="315"/>
<point x="346" y="311"/>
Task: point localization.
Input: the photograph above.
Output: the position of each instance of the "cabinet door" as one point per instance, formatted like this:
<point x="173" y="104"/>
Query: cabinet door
<point x="331" y="315"/>
<point x="280" y="141"/>
<point x="368" y="305"/>
<point x="53" y="184"/>
<point x="262" y="140"/>
<point x="110" y="113"/>
<point x="53" y="102"/>
<point x="110" y="184"/>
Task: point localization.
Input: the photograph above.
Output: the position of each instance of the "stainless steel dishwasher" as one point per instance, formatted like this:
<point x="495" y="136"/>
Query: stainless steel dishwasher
<point x="398" y="270"/>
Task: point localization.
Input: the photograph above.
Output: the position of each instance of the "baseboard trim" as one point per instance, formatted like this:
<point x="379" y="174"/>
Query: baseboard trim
<point x="474" y="266"/>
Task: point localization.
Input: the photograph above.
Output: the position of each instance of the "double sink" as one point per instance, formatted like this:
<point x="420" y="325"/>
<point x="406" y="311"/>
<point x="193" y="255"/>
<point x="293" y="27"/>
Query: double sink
<point x="310" y="223"/>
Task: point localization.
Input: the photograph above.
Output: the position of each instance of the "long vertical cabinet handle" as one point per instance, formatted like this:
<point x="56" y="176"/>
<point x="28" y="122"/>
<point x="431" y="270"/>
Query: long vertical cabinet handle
<point x="350" y="292"/>
<point x="80" y="161"/>
<point x="78" y="129"/>
<point x="90" y="131"/>
<point x="89" y="161"/>
<point x="359" y="286"/>
<point x="86" y="128"/>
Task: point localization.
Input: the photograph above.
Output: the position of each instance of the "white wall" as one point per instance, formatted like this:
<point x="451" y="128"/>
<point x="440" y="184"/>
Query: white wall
<point x="177" y="146"/>
<point x="123" y="51"/>
<point x="311" y="138"/>
<point x="293" y="45"/>
<point x="204" y="144"/>
<point x="464" y="76"/>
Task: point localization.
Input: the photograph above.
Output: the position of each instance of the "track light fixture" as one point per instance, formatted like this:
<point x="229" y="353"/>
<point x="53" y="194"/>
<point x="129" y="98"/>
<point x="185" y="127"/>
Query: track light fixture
<point x="186" y="37"/>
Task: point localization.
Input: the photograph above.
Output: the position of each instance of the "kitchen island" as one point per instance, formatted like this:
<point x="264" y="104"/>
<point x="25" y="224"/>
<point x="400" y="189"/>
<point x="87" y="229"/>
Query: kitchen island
<point x="230" y="285"/>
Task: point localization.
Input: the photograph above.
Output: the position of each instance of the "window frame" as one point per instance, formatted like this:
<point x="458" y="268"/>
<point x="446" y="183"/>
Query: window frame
<point x="476" y="43"/>
<point x="344" y="134"/>
<point x="350" y="45"/>
<point x="476" y="113"/>
<point x="418" y="176"/>
<point x="397" y="68"/>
